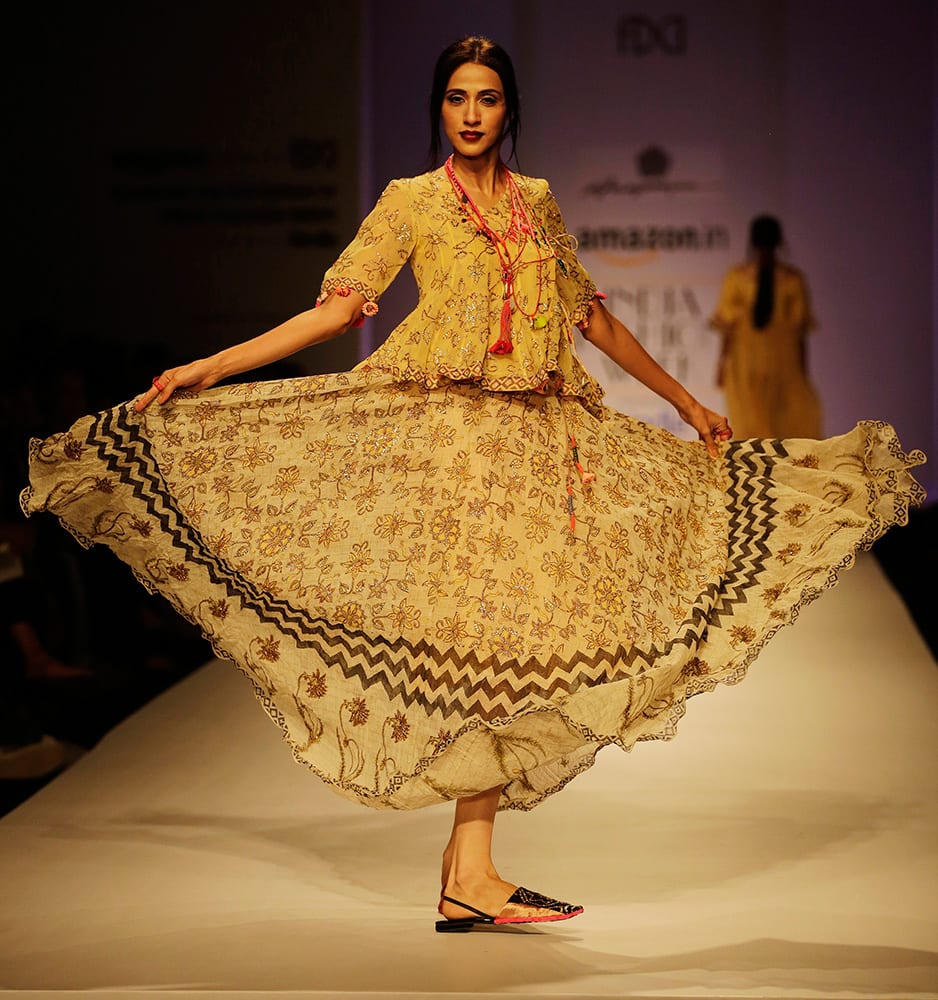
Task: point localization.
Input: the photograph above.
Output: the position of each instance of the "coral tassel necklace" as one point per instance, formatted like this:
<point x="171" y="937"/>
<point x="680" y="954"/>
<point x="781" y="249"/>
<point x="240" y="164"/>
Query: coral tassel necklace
<point x="523" y="225"/>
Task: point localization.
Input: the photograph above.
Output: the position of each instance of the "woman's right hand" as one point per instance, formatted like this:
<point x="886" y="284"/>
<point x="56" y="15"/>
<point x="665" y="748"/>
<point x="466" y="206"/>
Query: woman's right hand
<point x="195" y="376"/>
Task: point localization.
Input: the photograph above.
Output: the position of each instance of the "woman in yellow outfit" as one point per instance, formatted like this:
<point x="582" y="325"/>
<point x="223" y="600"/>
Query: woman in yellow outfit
<point x="453" y="574"/>
<point x="764" y="316"/>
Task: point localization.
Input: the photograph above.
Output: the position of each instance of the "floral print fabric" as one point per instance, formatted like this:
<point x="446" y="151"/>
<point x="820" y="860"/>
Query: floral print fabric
<point x="394" y="567"/>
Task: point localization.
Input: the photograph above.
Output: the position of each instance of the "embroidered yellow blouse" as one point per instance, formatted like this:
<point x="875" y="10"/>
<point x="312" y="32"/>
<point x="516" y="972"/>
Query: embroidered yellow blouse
<point x="461" y="291"/>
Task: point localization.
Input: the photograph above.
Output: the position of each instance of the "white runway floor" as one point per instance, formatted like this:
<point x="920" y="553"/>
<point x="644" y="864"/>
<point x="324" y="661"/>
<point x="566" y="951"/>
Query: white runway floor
<point x="784" y="845"/>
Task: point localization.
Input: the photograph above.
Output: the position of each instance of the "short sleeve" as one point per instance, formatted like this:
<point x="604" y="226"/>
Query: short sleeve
<point x="574" y="285"/>
<point x="382" y="246"/>
<point x="730" y="305"/>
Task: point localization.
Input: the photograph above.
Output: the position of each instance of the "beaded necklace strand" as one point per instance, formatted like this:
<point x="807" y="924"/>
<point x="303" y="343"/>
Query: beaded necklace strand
<point x="523" y="225"/>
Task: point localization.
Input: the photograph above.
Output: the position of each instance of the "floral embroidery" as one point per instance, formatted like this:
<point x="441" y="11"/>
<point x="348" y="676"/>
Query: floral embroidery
<point x="742" y="633"/>
<point x="358" y="711"/>
<point x="359" y="558"/>
<point x="316" y="686"/>
<point x="441" y="739"/>
<point x="287" y="481"/>
<point x="350" y="614"/>
<point x="796" y="514"/>
<point x="140" y="526"/>
<point x="390" y="525"/>
<point x="696" y="667"/>
<point x="544" y="467"/>
<point x="773" y="593"/>
<point x="608" y="596"/>
<point x="257" y="454"/>
<point x="451" y="631"/>
<point x="269" y="649"/>
<point x="445" y="527"/>
<point x="404" y="616"/>
<point x="499" y="546"/>
<point x="400" y="727"/>
<point x="506" y="642"/>
<point x="275" y="538"/>
<point x="198" y="461"/>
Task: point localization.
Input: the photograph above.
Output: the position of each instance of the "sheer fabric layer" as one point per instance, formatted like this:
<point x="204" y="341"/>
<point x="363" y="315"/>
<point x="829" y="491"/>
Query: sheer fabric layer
<point x="395" y="571"/>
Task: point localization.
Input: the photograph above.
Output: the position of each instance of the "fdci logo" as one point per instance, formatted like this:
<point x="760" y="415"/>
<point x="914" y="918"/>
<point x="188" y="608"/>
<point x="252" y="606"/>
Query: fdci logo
<point x="638" y="35"/>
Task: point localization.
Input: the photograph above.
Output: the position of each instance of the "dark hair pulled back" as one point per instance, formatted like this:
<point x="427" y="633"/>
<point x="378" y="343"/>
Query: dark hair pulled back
<point x="765" y="233"/>
<point x="485" y="52"/>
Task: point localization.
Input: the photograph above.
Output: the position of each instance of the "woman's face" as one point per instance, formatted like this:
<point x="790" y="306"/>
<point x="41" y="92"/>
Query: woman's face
<point x="474" y="110"/>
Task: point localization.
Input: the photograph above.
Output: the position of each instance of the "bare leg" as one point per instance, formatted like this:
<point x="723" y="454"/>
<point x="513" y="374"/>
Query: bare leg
<point x="468" y="870"/>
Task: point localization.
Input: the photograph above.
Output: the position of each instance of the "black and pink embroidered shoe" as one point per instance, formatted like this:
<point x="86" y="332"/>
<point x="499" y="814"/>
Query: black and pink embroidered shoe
<point x="524" y="906"/>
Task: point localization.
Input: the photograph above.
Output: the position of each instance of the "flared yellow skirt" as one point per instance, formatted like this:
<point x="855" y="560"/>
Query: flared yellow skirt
<point x="431" y="598"/>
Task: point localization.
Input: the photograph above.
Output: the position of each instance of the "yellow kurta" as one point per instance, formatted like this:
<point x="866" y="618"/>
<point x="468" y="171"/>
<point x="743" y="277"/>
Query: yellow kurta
<point x="460" y="285"/>
<point x="768" y="393"/>
<point x="389" y="554"/>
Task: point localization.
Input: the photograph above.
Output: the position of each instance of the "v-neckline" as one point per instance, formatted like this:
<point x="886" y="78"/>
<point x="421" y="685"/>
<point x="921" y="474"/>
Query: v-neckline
<point x="495" y="204"/>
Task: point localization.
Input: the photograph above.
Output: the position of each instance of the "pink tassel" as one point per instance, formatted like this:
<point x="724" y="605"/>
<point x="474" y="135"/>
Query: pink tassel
<point x="504" y="345"/>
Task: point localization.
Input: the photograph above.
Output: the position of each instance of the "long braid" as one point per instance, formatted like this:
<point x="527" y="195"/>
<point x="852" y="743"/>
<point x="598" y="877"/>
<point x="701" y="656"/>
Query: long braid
<point x="765" y="234"/>
<point x="764" y="305"/>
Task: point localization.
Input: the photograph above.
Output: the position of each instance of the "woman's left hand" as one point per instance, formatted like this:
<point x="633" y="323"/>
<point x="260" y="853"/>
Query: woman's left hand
<point x="195" y="376"/>
<point x="709" y="425"/>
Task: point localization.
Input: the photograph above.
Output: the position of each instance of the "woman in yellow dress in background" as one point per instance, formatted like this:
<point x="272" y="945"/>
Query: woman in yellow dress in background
<point x="453" y="574"/>
<point x="764" y="316"/>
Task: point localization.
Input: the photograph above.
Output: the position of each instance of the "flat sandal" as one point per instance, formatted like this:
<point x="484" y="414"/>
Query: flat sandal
<point x="511" y="913"/>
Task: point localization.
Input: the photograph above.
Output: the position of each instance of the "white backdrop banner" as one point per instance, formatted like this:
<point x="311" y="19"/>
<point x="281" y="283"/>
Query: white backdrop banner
<point x="664" y="161"/>
<point x="652" y="228"/>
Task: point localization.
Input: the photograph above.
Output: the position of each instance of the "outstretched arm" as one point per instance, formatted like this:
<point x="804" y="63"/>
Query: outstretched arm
<point x="329" y="320"/>
<point x="614" y="339"/>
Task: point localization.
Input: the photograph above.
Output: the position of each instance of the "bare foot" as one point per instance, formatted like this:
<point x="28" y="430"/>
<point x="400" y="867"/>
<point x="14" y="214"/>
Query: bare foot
<point x="447" y="867"/>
